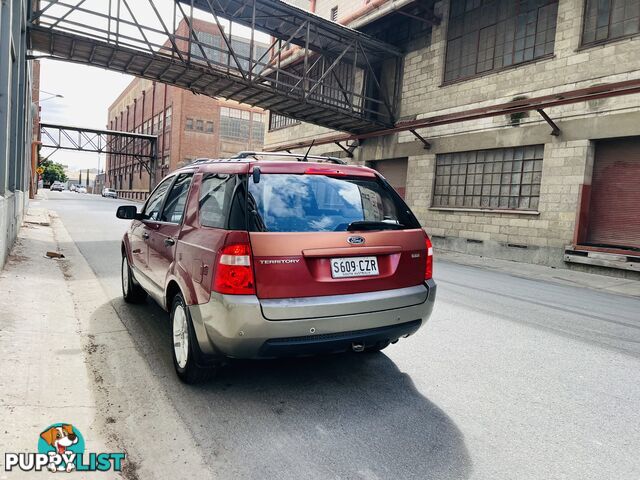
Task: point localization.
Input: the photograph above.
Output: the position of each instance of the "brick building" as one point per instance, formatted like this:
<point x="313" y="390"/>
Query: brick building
<point x="502" y="186"/>
<point x="188" y="126"/>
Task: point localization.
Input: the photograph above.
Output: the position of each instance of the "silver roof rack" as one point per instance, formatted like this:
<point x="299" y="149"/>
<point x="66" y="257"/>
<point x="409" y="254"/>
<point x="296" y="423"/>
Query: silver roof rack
<point x="299" y="156"/>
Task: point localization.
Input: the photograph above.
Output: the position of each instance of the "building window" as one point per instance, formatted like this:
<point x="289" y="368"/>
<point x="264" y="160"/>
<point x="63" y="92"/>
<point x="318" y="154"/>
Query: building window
<point x="334" y="14"/>
<point x="216" y="51"/>
<point x="504" y="178"/>
<point x="167" y="122"/>
<point x="277" y="121"/>
<point x="189" y="124"/>
<point x="199" y="126"/>
<point x="606" y="20"/>
<point x="257" y="125"/>
<point x="235" y="123"/>
<point x="209" y="127"/>
<point x="488" y="35"/>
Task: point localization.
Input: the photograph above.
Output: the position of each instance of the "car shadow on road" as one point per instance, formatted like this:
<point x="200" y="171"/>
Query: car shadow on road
<point x="341" y="416"/>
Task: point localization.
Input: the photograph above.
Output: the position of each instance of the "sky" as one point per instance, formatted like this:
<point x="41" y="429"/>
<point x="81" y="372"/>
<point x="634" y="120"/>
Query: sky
<point x="88" y="91"/>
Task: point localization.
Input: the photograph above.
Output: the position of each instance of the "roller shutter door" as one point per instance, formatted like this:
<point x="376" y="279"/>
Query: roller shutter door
<point x="395" y="171"/>
<point x="614" y="213"/>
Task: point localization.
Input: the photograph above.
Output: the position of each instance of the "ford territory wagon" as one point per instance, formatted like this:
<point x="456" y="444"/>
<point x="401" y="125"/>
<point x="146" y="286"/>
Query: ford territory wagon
<point x="272" y="255"/>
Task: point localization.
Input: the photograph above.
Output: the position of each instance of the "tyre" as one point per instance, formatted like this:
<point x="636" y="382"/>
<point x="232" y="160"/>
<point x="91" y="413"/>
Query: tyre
<point x="131" y="291"/>
<point x="185" y="350"/>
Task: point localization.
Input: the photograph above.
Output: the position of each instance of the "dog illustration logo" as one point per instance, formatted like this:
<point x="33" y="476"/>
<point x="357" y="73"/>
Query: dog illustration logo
<point x="62" y="442"/>
<point x="61" y="448"/>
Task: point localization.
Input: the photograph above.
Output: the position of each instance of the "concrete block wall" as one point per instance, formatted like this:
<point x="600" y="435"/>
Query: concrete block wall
<point x="537" y="236"/>
<point x="570" y="67"/>
<point x="568" y="159"/>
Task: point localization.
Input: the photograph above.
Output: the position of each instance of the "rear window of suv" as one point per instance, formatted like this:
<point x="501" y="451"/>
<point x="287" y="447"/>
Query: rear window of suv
<point x="319" y="203"/>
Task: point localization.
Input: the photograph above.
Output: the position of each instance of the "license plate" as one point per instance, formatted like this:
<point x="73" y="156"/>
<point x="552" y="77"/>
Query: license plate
<point x="354" y="267"/>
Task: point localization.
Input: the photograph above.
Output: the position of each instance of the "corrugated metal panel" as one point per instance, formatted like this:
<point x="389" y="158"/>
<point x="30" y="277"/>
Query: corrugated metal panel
<point x="614" y="218"/>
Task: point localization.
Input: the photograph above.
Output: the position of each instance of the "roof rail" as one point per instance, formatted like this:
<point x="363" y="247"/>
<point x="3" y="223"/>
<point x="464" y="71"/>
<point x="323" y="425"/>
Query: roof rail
<point x="299" y="157"/>
<point x="200" y="160"/>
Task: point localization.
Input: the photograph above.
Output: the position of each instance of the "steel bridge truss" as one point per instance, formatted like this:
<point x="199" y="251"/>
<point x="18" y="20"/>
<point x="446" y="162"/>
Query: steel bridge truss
<point x="132" y="147"/>
<point x="305" y="67"/>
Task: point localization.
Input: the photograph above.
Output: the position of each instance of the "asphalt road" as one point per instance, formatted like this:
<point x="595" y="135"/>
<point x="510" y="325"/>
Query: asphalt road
<point x="511" y="378"/>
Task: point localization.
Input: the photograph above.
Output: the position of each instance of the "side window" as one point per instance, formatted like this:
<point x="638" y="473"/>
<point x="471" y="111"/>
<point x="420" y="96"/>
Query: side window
<point x="214" y="191"/>
<point x="177" y="199"/>
<point x="152" y="209"/>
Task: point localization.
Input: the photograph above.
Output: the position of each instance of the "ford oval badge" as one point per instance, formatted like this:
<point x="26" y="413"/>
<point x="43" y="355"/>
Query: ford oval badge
<point x="355" y="240"/>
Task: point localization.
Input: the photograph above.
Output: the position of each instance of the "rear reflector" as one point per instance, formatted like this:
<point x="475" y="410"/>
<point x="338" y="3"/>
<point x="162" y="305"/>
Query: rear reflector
<point x="234" y="275"/>
<point x="428" y="274"/>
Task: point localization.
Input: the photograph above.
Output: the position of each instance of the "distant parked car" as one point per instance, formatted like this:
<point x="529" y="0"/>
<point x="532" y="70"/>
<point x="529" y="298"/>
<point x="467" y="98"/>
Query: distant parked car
<point x="81" y="189"/>
<point x="57" y="187"/>
<point x="256" y="258"/>
<point x="109" y="192"/>
<point x="72" y="187"/>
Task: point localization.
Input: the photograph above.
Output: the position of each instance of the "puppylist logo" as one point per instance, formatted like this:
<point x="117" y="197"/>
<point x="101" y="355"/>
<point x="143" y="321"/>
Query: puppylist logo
<point x="61" y="448"/>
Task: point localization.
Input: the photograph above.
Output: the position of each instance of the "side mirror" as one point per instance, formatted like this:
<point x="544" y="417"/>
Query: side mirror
<point x="128" y="212"/>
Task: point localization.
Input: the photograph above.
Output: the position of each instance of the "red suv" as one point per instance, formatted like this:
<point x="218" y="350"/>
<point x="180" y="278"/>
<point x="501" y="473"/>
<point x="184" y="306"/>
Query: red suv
<point x="269" y="255"/>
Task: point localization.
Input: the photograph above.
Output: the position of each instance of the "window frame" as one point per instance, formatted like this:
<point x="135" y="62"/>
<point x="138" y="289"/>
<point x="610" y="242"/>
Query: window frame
<point x="446" y="82"/>
<point x="595" y="43"/>
<point x="493" y="209"/>
<point x="164" y="202"/>
<point x="229" y="196"/>
<point x="284" y="125"/>
<point x="169" y="180"/>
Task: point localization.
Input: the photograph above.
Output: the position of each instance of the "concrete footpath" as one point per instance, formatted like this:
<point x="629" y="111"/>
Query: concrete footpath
<point x="44" y="378"/>
<point x="560" y="276"/>
<point x="57" y="364"/>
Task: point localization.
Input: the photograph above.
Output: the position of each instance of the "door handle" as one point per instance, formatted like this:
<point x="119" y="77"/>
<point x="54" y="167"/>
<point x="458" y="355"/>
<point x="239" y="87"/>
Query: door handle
<point x="169" y="242"/>
<point x="145" y="235"/>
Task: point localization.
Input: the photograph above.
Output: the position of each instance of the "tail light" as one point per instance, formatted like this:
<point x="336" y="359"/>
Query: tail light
<point x="428" y="273"/>
<point x="234" y="275"/>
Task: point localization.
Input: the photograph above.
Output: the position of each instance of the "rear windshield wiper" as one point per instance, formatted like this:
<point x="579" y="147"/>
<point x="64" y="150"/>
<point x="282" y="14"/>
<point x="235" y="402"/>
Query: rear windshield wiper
<point x="371" y="225"/>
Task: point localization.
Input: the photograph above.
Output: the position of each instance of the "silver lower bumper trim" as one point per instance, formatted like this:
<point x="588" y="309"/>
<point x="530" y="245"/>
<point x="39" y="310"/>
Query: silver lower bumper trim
<point x="235" y="326"/>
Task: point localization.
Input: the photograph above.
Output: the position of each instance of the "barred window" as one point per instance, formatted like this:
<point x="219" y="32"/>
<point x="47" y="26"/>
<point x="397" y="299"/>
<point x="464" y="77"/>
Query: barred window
<point x="235" y="123"/>
<point x="211" y="45"/>
<point x="189" y="124"/>
<point x="277" y="121"/>
<point x="488" y="35"/>
<point x="504" y="178"/>
<point x="257" y="132"/>
<point x="606" y="20"/>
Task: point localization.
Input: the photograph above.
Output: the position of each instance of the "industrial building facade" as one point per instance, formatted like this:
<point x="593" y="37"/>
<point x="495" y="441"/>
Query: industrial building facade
<point x="18" y="109"/>
<point x="557" y="187"/>
<point x="188" y="126"/>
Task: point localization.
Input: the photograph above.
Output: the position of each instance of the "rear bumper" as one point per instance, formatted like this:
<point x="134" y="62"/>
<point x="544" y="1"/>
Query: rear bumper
<point x="235" y="325"/>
